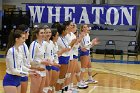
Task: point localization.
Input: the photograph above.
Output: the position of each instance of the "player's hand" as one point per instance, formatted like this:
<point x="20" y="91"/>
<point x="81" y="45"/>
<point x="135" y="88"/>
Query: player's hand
<point x="95" y="41"/>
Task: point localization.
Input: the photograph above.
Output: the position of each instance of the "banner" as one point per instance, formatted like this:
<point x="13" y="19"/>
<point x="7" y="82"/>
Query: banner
<point x="83" y="13"/>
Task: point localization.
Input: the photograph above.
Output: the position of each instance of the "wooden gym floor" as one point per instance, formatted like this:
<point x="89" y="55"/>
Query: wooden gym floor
<point x="112" y="77"/>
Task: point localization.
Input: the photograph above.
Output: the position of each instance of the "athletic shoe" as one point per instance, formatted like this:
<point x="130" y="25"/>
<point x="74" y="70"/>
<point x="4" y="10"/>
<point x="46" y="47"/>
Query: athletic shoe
<point x="82" y="86"/>
<point x="85" y="82"/>
<point x="92" y="81"/>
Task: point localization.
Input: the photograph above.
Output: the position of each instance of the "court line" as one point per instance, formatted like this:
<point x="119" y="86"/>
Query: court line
<point x="114" y="61"/>
<point x="91" y="90"/>
<point x="126" y="89"/>
<point x="117" y="71"/>
<point x="106" y="68"/>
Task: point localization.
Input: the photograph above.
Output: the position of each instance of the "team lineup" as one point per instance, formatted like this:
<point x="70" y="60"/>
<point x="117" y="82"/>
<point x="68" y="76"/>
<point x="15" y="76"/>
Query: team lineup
<point x="51" y="61"/>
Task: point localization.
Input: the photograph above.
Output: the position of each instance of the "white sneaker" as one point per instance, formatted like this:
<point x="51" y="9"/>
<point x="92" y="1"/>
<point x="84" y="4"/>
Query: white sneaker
<point x="90" y="81"/>
<point x="82" y="86"/>
<point x="85" y="82"/>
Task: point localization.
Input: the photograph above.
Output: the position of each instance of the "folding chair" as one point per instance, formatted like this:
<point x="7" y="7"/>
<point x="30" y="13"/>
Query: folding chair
<point x="132" y="50"/>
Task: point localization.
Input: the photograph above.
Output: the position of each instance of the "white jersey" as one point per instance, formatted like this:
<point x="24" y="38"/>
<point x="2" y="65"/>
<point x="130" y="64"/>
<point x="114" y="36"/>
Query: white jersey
<point x="75" y="49"/>
<point x="37" y="55"/>
<point x="49" y="50"/>
<point x="55" y="50"/>
<point x="63" y="43"/>
<point x="14" y="61"/>
<point x="69" y="38"/>
<point x="25" y="53"/>
<point x="86" y="42"/>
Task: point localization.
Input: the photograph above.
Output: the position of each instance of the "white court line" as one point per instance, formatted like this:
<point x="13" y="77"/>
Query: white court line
<point x="91" y="91"/>
<point x="112" y="88"/>
<point x="105" y="69"/>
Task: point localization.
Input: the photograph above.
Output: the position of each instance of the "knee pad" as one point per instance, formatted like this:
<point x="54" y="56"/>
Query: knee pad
<point x="67" y="75"/>
<point x="83" y="69"/>
<point x="89" y="69"/>
<point x="60" y="81"/>
<point x="78" y="74"/>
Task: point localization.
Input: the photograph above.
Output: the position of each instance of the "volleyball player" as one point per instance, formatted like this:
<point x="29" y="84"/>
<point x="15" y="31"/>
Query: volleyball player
<point x="64" y="56"/>
<point x="14" y="59"/>
<point x="56" y="65"/>
<point x="71" y="38"/>
<point x="75" y="57"/>
<point x="52" y="70"/>
<point x="85" y="46"/>
<point x="26" y="60"/>
<point x="48" y="56"/>
<point x="37" y="57"/>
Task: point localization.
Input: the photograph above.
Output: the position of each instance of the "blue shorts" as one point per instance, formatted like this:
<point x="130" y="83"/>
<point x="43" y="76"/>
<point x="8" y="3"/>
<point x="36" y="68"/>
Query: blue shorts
<point x="52" y="68"/>
<point x="48" y="68"/>
<point x="55" y="68"/>
<point x="24" y="79"/>
<point x="11" y="80"/>
<point x="84" y="53"/>
<point x="64" y="60"/>
<point x="75" y="57"/>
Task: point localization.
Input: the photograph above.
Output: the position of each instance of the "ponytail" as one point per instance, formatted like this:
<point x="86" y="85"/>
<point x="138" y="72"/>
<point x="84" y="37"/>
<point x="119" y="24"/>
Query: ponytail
<point x="12" y="38"/>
